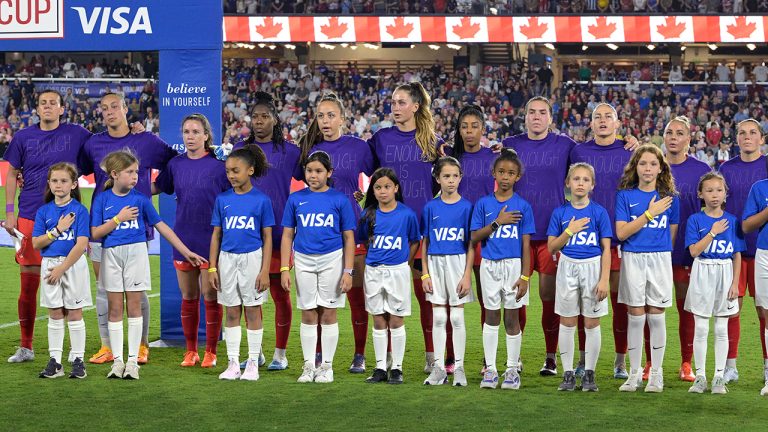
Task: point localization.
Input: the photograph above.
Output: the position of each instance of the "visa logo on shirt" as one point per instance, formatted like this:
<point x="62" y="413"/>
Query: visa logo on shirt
<point x="449" y="234"/>
<point x="132" y="224"/>
<point x="316" y="220"/>
<point x="239" y="222"/>
<point x="583" y="238"/>
<point x="505" y="232"/>
<point x="387" y="242"/>
<point x="720" y="247"/>
<point x="67" y="235"/>
<point x="657" y="222"/>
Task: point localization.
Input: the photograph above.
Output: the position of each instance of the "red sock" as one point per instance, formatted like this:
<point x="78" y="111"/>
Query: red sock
<point x="734" y="334"/>
<point x="449" y="337"/>
<point x="425" y="313"/>
<point x="356" y="297"/>
<point x="550" y="323"/>
<point x="647" y="341"/>
<point x="620" y="322"/>
<point x="686" y="329"/>
<point x="213" y="315"/>
<point x="522" y="317"/>
<point x="762" y="337"/>
<point x="28" y="307"/>
<point x="190" y="320"/>
<point x="582" y="333"/>
<point x="283" y="313"/>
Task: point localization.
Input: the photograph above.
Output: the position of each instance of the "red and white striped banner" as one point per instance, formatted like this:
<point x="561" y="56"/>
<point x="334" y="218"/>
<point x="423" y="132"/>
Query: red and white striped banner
<point x="455" y="29"/>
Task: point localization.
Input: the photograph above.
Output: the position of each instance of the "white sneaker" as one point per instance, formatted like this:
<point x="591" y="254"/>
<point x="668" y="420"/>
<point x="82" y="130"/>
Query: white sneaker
<point x="764" y="391"/>
<point x="459" y="377"/>
<point x="699" y="385"/>
<point x="718" y="385"/>
<point x="118" y="368"/>
<point x="251" y="372"/>
<point x="438" y="376"/>
<point x="634" y="381"/>
<point x="731" y="375"/>
<point x="22" y="355"/>
<point x="232" y="372"/>
<point x="490" y="379"/>
<point x="511" y="379"/>
<point x="655" y="382"/>
<point x="307" y="373"/>
<point x="324" y="374"/>
<point x="131" y="370"/>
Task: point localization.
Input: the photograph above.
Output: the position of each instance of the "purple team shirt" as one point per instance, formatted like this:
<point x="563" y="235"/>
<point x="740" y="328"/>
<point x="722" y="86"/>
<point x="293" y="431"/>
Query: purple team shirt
<point x="687" y="176"/>
<point x="545" y="165"/>
<point x="477" y="181"/>
<point x="33" y="151"/>
<point x="197" y="183"/>
<point x="740" y="177"/>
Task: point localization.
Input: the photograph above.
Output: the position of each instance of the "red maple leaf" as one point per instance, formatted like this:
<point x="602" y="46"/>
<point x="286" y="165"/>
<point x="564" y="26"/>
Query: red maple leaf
<point x="534" y="29"/>
<point x="333" y="29"/>
<point x="400" y="30"/>
<point x="268" y="29"/>
<point x="466" y="30"/>
<point x="671" y="28"/>
<point x="601" y="29"/>
<point x="740" y="29"/>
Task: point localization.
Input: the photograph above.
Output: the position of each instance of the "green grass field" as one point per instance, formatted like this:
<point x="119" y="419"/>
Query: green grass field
<point x="169" y="397"/>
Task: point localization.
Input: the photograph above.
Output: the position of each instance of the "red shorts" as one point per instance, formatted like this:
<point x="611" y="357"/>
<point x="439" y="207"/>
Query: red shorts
<point x="27" y="255"/>
<point x="186" y="266"/>
<point x="274" y="265"/>
<point x="681" y="274"/>
<point x="615" y="259"/>
<point x="478" y="255"/>
<point x="360" y="249"/>
<point x="747" y="276"/>
<point x="541" y="260"/>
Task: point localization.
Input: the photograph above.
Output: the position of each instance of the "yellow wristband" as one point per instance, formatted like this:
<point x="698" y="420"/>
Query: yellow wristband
<point x="212" y="269"/>
<point x="425" y="276"/>
<point x="116" y="220"/>
<point x="50" y="235"/>
<point x="569" y="232"/>
<point x="648" y="215"/>
<point x="282" y="269"/>
<point x="525" y="278"/>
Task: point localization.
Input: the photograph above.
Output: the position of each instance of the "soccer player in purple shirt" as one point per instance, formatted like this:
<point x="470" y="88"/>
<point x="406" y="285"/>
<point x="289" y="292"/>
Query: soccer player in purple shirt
<point x="351" y="156"/>
<point x="741" y="172"/>
<point x="197" y="178"/>
<point x="32" y="151"/>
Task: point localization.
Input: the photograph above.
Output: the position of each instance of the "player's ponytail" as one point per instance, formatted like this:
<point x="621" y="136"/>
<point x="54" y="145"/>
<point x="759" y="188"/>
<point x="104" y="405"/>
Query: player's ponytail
<point x="509" y="155"/>
<point x="372" y="203"/>
<point x="115" y="162"/>
<point x="426" y="138"/>
<point x="458" y="140"/>
<point x="253" y="156"/>
<point x="314" y="136"/>
<point x="73" y="175"/>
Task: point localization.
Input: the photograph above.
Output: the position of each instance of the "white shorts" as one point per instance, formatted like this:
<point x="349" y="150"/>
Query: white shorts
<point x="646" y="279"/>
<point x="73" y="291"/>
<point x="708" y="289"/>
<point x="761" y="278"/>
<point x="576" y="281"/>
<point x="446" y="272"/>
<point x="94" y="251"/>
<point x="388" y="289"/>
<point x="125" y="268"/>
<point x="317" y="280"/>
<point x="238" y="274"/>
<point x="498" y="277"/>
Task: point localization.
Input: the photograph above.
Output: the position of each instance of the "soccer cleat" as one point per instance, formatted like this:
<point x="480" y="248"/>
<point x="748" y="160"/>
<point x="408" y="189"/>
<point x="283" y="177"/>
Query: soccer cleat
<point x="379" y="375"/>
<point x="395" y="377"/>
<point x="307" y="373"/>
<point x="731" y="375"/>
<point x="131" y="370"/>
<point x="718" y="385"/>
<point x="324" y="374"/>
<point x="232" y="372"/>
<point x="251" y="372"/>
<point x="549" y="368"/>
<point x="318" y="360"/>
<point x="52" y="370"/>
<point x="699" y="384"/>
<point x="22" y="355"/>
<point x="143" y="354"/>
<point x="569" y="382"/>
<point x="104" y="355"/>
<point x="450" y="366"/>
<point x="278" y="364"/>
<point x="647" y="370"/>
<point x="634" y="381"/>
<point x="190" y="359"/>
<point x="655" y="382"/>
<point x="511" y="379"/>
<point x="620" y="372"/>
<point x="459" y="377"/>
<point x="686" y="372"/>
<point x="579" y="372"/>
<point x="78" y="369"/>
<point x="262" y="359"/>
<point x="209" y="360"/>
<point x="358" y="364"/>
<point x="118" y="368"/>
<point x="588" y="382"/>
<point x="490" y="379"/>
<point x="438" y="376"/>
<point x="429" y="363"/>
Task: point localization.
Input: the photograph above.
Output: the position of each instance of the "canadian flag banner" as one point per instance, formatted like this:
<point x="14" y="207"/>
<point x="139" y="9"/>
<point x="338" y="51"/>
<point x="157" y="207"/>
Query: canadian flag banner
<point x="474" y="29"/>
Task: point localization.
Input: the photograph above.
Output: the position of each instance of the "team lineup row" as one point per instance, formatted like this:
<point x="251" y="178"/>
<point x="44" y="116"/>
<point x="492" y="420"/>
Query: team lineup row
<point x="410" y="150"/>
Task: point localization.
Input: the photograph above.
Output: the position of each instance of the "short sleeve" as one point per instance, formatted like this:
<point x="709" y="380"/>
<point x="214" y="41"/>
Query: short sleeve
<point x="14" y="154"/>
<point x="413" y="228"/>
<point x="367" y="165"/>
<point x="289" y="213"/>
<point x="158" y="152"/>
<point x="347" y="222"/>
<point x="362" y="228"/>
<point x="554" y="224"/>
<point x="753" y="205"/>
<point x="164" y="180"/>
<point x="622" y="210"/>
<point x="478" y="221"/>
<point x="97" y="210"/>
<point x="674" y="213"/>
<point x="528" y="224"/>
<point x="426" y="215"/>
<point x="267" y="214"/>
<point x="604" y="228"/>
<point x="39" y="228"/>
<point x="149" y="211"/>
<point x="216" y="214"/>
<point x="692" y="231"/>
<point x="81" y="222"/>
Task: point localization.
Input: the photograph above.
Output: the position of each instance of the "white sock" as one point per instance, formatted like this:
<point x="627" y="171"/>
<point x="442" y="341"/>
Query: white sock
<point x="308" y="336"/>
<point x="514" y="342"/>
<point x="116" y="339"/>
<point x="565" y="339"/>
<point x="592" y="345"/>
<point x="658" y="326"/>
<point x="459" y="335"/>
<point x="102" y="312"/>
<point x="329" y="339"/>
<point x="77" y="338"/>
<point x="145" y="316"/>
<point x="254" y="343"/>
<point x="490" y="344"/>
<point x="279" y="354"/>
<point x="439" y="320"/>
<point x="134" y="337"/>
<point x="232" y="336"/>
<point x="380" y="341"/>
<point x="721" y="344"/>
<point x="398" y="346"/>
<point x="635" y="341"/>
<point x="700" y="334"/>
<point x="55" y="338"/>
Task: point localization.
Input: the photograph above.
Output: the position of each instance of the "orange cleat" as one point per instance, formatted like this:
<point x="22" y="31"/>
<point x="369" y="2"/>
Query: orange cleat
<point x="143" y="354"/>
<point x="190" y="359"/>
<point x="103" y="356"/>
<point x="646" y="370"/>
<point x="686" y="372"/>
<point x="209" y="360"/>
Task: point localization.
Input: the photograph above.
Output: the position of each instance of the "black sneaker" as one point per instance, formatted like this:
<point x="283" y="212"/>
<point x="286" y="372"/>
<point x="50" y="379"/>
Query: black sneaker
<point x="379" y="375"/>
<point x="569" y="382"/>
<point x="588" y="382"/>
<point x="395" y="376"/>
<point x="549" y="368"/>
<point x="52" y="370"/>
<point x="78" y="369"/>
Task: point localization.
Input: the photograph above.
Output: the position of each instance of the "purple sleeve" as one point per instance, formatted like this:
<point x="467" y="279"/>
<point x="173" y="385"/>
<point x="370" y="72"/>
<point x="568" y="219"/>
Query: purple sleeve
<point x="372" y="145"/>
<point x="84" y="161"/>
<point x="368" y="164"/>
<point x="14" y="154"/>
<point x="164" y="180"/>
<point x="159" y="153"/>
